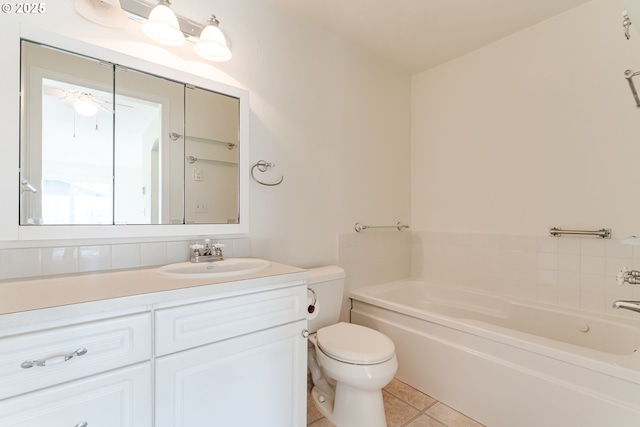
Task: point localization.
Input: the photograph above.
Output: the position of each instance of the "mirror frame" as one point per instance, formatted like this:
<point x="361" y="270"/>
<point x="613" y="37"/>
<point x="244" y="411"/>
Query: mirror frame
<point x="10" y="106"/>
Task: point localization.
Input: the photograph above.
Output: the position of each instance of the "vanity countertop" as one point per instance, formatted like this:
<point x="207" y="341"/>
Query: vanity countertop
<point x="33" y="294"/>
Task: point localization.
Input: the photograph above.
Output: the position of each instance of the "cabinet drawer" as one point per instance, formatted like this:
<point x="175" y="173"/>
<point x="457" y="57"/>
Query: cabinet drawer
<point x="119" y="398"/>
<point x="191" y="325"/>
<point x="63" y="354"/>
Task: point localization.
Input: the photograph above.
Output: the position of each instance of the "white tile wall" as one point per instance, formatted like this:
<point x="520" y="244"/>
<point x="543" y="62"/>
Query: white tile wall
<point x="578" y="272"/>
<point x="47" y="261"/>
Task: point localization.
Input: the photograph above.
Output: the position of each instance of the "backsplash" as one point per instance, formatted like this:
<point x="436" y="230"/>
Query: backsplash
<point x="566" y="271"/>
<point x="48" y="261"/>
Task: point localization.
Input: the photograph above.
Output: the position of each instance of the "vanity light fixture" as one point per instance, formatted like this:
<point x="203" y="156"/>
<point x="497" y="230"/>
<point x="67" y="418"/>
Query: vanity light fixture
<point x="162" y="25"/>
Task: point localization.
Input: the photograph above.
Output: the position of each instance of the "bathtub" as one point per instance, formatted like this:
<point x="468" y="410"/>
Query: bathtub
<point x="507" y="362"/>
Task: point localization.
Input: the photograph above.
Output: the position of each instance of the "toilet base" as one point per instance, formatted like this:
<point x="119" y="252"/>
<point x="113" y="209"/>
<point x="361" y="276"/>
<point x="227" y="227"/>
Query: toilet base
<point x="350" y="407"/>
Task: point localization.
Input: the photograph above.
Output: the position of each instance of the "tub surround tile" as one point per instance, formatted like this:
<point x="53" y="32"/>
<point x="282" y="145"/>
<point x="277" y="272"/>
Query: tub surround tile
<point x="592" y="264"/>
<point x="568" y="298"/>
<point x="568" y="280"/>
<point x="547" y="295"/>
<point x="548" y="244"/>
<point x="569" y="262"/>
<point x="593" y="301"/>
<point x="615" y="249"/>
<point x="531" y="267"/>
<point x="594" y="283"/>
<point x="591" y="246"/>
<point x="547" y="277"/>
<point x="568" y="245"/>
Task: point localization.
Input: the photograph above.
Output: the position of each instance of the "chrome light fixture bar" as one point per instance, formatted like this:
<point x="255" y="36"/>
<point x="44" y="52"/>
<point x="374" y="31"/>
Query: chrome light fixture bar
<point x="214" y="50"/>
<point x="139" y="11"/>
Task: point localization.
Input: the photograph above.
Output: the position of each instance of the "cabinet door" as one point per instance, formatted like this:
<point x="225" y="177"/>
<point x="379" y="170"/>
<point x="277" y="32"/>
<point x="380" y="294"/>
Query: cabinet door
<point x="120" y="398"/>
<point x="257" y="379"/>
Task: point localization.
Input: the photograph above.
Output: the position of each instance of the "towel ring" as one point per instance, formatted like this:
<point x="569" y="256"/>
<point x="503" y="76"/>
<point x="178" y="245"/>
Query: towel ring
<point x="263" y="166"/>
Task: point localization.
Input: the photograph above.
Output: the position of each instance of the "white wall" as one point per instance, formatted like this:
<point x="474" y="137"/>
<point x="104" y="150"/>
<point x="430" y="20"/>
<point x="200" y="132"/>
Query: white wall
<point x="536" y="130"/>
<point x="334" y="120"/>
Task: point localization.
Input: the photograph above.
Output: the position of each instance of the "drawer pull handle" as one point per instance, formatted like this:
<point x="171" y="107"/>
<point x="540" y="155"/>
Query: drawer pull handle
<point x="82" y="424"/>
<point x="54" y="360"/>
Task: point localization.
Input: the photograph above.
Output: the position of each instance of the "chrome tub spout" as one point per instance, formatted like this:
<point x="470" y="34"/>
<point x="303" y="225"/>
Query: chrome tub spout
<point x="627" y="305"/>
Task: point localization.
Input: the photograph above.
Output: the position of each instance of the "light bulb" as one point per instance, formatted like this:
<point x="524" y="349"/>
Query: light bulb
<point x="85" y="107"/>
<point x="212" y="44"/>
<point x="162" y="26"/>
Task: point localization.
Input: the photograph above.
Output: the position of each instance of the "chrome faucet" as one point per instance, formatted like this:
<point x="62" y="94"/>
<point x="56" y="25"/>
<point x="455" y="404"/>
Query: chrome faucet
<point x="206" y="252"/>
<point x="631" y="277"/>
<point x="628" y="305"/>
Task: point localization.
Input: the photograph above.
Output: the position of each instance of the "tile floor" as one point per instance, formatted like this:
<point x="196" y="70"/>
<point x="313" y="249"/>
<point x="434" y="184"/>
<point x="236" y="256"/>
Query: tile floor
<point x="404" y="407"/>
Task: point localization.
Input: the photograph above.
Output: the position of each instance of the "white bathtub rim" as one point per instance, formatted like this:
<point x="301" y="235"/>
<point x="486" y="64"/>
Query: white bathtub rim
<point x="625" y="367"/>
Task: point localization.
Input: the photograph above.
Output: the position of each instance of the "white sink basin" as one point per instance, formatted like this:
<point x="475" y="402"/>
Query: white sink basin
<point x="202" y="270"/>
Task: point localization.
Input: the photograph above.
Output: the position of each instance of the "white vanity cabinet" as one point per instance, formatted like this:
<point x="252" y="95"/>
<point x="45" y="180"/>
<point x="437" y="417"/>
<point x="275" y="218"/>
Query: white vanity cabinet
<point x="221" y="354"/>
<point x="237" y="361"/>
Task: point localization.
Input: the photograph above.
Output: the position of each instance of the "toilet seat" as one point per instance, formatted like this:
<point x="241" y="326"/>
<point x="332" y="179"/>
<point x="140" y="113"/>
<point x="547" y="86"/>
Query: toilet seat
<point x="355" y="344"/>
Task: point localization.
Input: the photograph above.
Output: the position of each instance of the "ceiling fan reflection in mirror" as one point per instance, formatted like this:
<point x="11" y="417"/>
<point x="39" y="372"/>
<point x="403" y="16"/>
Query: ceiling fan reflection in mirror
<point x="84" y="101"/>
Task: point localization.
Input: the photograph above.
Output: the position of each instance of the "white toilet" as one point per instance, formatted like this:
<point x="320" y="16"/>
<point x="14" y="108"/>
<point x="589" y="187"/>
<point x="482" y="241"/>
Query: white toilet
<point x="350" y="364"/>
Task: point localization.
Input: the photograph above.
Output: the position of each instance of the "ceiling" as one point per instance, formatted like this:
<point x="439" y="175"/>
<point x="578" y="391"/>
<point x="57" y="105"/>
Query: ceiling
<point x="420" y="34"/>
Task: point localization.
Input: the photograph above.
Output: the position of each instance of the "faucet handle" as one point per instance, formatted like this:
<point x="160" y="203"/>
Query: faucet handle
<point x="218" y="245"/>
<point x="196" y="248"/>
<point x="622" y="275"/>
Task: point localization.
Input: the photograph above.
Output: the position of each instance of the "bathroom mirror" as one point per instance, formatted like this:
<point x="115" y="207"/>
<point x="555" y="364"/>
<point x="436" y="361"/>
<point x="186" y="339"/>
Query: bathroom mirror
<point x="119" y="141"/>
<point x="105" y="144"/>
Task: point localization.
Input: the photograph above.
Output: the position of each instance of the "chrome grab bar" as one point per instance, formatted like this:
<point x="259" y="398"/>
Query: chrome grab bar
<point x="359" y="227"/>
<point x="603" y="233"/>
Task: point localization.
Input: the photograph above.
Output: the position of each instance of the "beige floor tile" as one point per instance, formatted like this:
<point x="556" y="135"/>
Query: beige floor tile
<point x="322" y="423"/>
<point x="397" y="411"/>
<point x="408" y="394"/>
<point x="425" y="421"/>
<point x="450" y="417"/>
<point x="312" y="412"/>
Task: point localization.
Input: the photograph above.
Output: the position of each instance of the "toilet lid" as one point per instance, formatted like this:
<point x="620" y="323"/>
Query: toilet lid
<point x="355" y="344"/>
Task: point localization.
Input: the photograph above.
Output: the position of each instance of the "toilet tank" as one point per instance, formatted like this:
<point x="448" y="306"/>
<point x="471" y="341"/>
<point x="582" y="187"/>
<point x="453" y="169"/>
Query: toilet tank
<point x="328" y="285"/>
